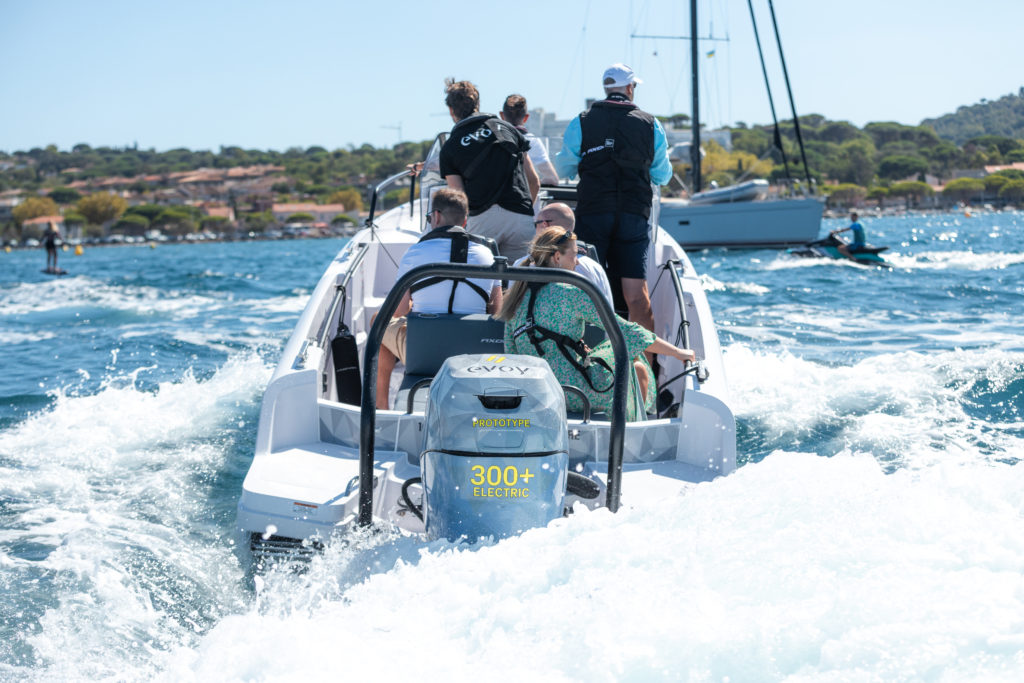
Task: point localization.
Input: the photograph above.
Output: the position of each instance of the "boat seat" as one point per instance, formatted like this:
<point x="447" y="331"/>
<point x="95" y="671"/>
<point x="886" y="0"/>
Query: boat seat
<point x="431" y="338"/>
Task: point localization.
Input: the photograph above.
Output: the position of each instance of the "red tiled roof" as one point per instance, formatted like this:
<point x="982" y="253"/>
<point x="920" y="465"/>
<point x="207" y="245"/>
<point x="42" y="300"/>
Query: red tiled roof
<point x="44" y="219"/>
<point x="308" y="207"/>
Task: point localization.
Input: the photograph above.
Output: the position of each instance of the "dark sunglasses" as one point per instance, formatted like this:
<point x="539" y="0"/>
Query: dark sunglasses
<point x="541" y="221"/>
<point x="564" y="238"/>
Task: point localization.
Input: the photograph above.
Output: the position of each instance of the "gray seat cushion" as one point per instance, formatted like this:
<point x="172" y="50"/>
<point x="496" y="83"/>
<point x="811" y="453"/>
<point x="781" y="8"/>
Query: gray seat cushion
<point x="432" y="338"/>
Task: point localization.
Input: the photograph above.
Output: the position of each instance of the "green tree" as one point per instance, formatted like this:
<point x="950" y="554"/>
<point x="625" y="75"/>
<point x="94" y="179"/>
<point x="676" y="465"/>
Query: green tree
<point x="150" y="211"/>
<point x="300" y="217"/>
<point x="34" y="207"/>
<point x="65" y="195"/>
<point x="1012" y="191"/>
<point x="214" y="223"/>
<point x="846" y="194"/>
<point x="258" y="221"/>
<point x="350" y="197"/>
<point x="963" y="189"/>
<point x="101" y="207"/>
<point x="176" y="220"/>
<point x="131" y="224"/>
<point x="73" y="218"/>
<point x="878" y="194"/>
<point x="856" y="162"/>
<point x="901" y="166"/>
<point x="912" y="191"/>
<point x="994" y="183"/>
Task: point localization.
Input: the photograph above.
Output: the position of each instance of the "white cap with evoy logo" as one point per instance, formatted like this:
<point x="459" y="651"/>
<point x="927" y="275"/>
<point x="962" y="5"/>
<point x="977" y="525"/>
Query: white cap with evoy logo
<point x="619" y="75"/>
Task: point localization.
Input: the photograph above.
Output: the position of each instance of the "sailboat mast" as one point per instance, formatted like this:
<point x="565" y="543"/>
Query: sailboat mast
<point x="695" y="121"/>
<point x="789" y="91"/>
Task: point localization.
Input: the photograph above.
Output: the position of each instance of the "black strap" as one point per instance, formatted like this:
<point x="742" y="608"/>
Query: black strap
<point x="570" y="348"/>
<point x="458" y="253"/>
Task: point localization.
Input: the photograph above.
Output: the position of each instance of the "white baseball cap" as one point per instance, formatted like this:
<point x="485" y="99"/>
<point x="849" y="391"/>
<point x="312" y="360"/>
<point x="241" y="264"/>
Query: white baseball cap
<point x="619" y="75"/>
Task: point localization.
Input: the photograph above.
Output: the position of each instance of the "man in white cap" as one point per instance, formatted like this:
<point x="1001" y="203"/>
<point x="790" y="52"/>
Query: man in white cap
<point x="618" y="150"/>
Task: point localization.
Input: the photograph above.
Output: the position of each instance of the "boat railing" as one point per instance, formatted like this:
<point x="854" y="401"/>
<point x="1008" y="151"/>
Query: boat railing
<point x="340" y="292"/>
<point x="379" y="191"/>
<point x="500" y="270"/>
<point x="697" y="368"/>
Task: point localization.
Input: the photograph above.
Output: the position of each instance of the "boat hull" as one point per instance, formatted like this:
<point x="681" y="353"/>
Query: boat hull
<point x="768" y="224"/>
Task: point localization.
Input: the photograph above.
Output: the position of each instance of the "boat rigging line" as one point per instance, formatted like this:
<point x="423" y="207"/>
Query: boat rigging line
<point x="789" y="91"/>
<point x="777" y="137"/>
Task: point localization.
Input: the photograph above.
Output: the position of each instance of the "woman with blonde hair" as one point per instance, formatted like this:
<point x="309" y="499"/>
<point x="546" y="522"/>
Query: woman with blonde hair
<point x="548" y="320"/>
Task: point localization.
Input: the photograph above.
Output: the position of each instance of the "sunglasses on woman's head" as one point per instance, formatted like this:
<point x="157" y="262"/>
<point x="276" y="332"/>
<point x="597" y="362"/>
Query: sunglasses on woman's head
<point x="565" y="238"/>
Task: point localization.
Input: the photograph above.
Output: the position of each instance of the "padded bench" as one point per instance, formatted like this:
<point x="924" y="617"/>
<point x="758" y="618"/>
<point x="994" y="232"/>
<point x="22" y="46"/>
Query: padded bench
<point x="431" y="338"/>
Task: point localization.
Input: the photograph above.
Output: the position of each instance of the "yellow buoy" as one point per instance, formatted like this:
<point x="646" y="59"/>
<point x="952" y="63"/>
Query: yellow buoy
<point x="78" y="250"/>
<point x="7" y="249"/>
<point x="152" y="245"/>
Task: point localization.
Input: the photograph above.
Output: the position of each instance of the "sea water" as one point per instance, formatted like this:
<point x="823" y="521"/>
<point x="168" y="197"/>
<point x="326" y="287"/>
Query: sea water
<point x="873" y="530"/>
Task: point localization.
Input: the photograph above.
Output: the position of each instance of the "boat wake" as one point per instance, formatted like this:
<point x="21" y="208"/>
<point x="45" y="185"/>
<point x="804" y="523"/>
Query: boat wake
<point x="757" y="576"/>
<point x="956" y="260"/>
<point x="115" y="533"/>
<point x="925" y="412"/>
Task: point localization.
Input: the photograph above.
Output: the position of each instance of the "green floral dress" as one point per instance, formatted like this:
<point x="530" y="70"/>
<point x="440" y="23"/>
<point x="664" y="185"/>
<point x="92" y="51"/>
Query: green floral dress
<point x="565" y="309"/>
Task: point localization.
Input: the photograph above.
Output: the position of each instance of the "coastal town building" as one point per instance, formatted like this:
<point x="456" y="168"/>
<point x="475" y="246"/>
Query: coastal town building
<point x="321" y="213"/>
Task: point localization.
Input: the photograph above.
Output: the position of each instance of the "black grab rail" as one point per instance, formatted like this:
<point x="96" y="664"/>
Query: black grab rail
<point x="384" y="183"/>
<point x="499" y="271"/>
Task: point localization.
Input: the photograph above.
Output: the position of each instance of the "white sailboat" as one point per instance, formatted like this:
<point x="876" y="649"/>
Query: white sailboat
<point x="742" y="215"/>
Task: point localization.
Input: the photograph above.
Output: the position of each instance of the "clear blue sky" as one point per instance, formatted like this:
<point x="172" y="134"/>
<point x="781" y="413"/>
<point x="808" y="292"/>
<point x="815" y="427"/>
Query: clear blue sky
<point x="273" y="75"/>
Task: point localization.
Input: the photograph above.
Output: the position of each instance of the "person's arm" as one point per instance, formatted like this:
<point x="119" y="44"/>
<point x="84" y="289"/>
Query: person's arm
<point x="539" y="156"/>
<point x="568" y="158"/>
<point x="532" y="179"/>
<point x="404" y="306"/>
<point x="661" y="167"/>
<point x="836" y="232"/>
<point x="548" y="174"/>
<point x="663" y="348"/>
<point x="494" y="305"/>
<point x="455" y="182"/>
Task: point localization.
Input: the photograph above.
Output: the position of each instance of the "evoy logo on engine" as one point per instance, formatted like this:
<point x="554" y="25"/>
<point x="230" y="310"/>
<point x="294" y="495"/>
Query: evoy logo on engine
<point x="482" y="368"/>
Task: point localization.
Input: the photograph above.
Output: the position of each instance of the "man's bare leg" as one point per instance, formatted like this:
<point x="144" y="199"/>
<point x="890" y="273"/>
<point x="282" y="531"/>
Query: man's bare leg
<point x="638" y="301"/>
<point x="385" y="366"/>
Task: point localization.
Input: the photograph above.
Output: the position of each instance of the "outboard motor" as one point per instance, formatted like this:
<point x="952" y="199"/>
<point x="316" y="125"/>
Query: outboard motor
<point x="496" y="454"/>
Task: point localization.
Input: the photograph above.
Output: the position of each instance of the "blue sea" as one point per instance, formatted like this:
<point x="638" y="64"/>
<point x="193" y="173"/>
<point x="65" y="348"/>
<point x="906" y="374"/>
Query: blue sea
<point x="873" y="531"/>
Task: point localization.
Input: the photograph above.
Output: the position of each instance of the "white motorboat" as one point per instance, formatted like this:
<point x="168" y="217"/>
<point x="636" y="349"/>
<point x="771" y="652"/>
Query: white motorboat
<point x="326" y="461"/>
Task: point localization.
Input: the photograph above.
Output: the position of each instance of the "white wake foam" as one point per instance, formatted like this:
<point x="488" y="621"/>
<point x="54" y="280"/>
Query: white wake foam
<point x="905" y="406"/>
<point x="797" y="568"/>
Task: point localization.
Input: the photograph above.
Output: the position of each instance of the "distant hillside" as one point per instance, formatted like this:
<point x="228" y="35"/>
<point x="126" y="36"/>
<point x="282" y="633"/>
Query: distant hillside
<point x="1003" y="117"/>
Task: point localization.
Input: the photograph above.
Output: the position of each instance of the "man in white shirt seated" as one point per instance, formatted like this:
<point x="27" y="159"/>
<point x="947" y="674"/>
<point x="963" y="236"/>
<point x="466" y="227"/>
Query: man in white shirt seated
<point x="447" y="243"/>
<point x="561" y="216"/>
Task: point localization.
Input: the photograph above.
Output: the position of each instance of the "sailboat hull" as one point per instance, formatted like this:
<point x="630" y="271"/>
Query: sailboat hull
<point x="760" y="224"/>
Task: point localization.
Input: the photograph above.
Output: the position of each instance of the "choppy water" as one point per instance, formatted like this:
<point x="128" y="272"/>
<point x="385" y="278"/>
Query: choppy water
<point x="873" y="531"/>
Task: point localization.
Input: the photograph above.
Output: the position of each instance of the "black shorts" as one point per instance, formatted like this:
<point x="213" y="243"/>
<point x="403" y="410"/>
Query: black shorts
<point x="621" y="240"/>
